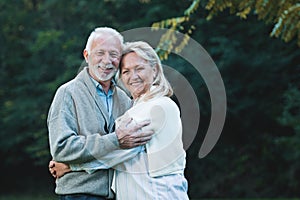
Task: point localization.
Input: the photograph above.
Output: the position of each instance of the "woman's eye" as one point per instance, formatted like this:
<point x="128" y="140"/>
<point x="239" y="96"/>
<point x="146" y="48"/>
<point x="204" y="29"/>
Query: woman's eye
<point x="139" y="68"/>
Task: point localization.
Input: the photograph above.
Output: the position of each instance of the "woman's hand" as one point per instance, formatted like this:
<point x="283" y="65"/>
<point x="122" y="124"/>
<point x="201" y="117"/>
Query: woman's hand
<point x="58" y="169"/>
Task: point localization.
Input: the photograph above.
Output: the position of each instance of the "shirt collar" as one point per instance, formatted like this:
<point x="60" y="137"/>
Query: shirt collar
<point x="98" y="85"/>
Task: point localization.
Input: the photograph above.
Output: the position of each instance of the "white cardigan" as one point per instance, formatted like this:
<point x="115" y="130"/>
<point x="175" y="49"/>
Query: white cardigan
<point x="165" y="150"/>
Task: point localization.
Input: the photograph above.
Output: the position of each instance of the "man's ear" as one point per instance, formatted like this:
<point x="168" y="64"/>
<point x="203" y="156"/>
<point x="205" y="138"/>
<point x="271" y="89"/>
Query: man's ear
<point x="86" y="55"/>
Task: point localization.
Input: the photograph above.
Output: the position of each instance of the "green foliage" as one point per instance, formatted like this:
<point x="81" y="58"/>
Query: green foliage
<point x="291" y="143"/>
<point x="284" y="15"/>
<point x="250" y="160"/>
<point x="291" y="111"/>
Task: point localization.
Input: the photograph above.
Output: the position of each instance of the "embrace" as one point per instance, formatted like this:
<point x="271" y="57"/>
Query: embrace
<point x="114" y="131"/>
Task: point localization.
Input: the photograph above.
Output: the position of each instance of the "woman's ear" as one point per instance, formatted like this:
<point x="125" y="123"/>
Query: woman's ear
<point x="155" y="71"/>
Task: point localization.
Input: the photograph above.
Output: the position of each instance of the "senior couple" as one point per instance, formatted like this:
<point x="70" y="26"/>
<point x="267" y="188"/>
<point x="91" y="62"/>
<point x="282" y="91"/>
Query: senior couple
<point x="106" y="145"/>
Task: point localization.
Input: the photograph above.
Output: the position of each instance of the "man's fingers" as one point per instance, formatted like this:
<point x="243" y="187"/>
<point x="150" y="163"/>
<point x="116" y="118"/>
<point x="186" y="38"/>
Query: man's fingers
<point x="134" y="141"/>
<point x="145" y="133"/>
<point x="139" y="127"/>
<point x="143" y="140"/>
<point x="146" y="138"/>
<point x="143" y="136"/>
<point x="142" y="124"/>
<point x="140" y="141"/>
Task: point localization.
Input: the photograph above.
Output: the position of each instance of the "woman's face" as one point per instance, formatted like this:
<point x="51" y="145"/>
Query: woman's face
<point x="136" y="74"/>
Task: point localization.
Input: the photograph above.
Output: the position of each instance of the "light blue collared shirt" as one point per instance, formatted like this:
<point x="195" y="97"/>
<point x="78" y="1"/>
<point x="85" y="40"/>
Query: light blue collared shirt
<point x="105" y="98"/>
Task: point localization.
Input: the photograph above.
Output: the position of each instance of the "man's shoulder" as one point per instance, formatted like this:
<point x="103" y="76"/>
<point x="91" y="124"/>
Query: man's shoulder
<point x="67" y="86"/>
<point x="74" y="84"/>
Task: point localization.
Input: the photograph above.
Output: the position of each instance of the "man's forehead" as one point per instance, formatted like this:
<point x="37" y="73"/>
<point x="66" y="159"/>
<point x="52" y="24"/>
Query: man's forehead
<point x="109" y="42"/>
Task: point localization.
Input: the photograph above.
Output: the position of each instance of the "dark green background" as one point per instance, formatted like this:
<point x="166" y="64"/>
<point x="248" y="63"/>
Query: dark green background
<point x="258" y="152"/>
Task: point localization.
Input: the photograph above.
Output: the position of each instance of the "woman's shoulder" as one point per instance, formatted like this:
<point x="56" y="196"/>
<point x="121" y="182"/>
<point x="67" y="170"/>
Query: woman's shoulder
<point x="165" y="102"/>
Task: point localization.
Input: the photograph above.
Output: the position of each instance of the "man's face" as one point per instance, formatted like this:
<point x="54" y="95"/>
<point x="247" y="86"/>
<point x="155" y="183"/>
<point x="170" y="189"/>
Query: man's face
<point x="104" y="57"/>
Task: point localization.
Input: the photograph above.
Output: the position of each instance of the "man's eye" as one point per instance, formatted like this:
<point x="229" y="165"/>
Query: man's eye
<point x="114" y="55"/>
<point x="100" y="53"/>
<point x="125" y="72"/>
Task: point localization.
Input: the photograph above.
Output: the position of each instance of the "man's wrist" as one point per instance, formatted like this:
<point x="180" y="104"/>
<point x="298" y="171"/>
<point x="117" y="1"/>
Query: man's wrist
<point x="114" y="139"/>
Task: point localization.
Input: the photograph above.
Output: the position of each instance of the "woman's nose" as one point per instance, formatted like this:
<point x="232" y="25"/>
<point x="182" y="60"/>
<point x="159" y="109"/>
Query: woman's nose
<point x="134" y="75"/>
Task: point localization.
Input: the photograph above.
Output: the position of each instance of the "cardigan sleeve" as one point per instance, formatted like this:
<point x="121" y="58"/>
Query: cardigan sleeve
<point x="110" y="160"/>
<point x="165" y="148"/>
<point x="66" y="145"/>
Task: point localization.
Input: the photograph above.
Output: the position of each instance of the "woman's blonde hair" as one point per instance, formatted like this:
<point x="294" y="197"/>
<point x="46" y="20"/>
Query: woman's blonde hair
<point x="146" y="52"/>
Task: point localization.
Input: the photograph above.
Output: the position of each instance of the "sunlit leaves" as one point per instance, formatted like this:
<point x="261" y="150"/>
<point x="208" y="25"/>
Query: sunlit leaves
<point x="169" y="40"/>
<point x="288" y="24"/>
<point x="284" y="15"/>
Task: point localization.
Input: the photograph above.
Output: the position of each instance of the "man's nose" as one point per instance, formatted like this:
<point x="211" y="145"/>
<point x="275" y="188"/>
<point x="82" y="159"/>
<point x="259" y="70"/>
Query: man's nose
<point x="106" y="58"/>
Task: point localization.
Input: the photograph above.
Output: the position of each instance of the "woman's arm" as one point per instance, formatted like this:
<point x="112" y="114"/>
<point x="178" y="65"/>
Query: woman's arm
<point x="57" y="169"/>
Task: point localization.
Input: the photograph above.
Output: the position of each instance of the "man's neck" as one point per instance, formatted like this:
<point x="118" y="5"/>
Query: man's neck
<point x="105" y="85"/>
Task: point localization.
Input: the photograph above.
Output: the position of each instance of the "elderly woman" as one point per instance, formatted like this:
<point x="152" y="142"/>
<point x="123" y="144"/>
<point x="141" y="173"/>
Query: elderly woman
<point x="155" y="170"/>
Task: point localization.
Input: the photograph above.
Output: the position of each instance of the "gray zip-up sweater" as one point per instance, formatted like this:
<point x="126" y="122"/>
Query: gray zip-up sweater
<point x="79" y="127"/>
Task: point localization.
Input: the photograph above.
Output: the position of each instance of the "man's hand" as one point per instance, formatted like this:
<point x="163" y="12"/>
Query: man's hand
<point x="57" y="169"/>
<point x="131" y="134"/>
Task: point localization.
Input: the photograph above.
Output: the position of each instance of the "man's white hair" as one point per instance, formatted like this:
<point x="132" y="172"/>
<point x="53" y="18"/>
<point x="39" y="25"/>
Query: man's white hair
<point x="100" y="31"/>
